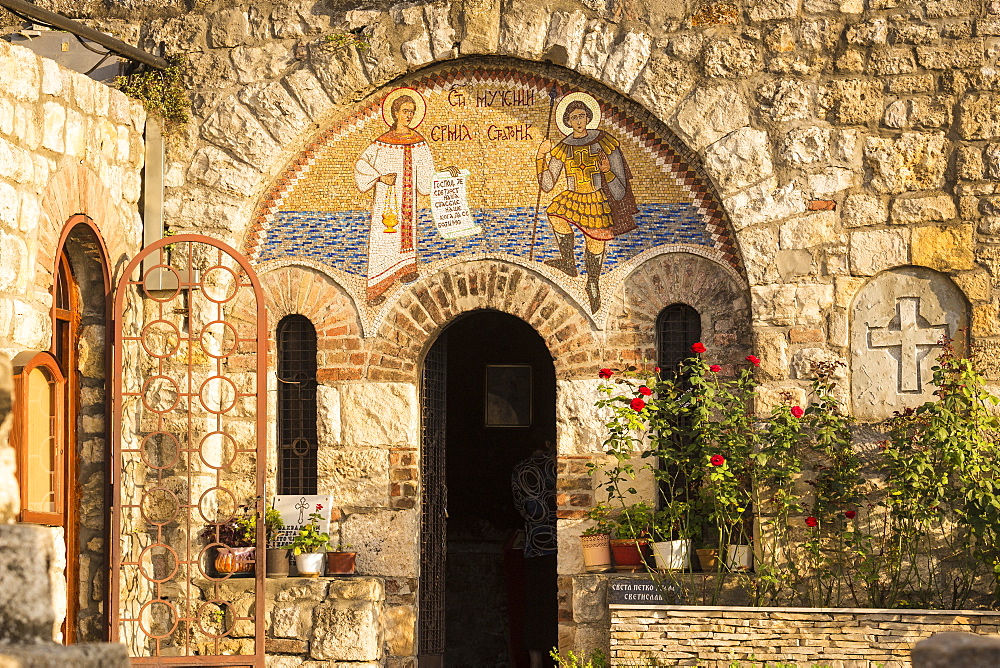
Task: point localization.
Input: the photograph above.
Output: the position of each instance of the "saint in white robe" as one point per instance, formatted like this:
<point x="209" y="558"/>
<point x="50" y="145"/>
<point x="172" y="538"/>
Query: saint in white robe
<point x="392" y="255"/>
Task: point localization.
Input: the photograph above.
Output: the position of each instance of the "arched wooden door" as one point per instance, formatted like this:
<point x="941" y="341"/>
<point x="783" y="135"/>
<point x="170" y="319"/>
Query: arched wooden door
<point x="189" y="416"/>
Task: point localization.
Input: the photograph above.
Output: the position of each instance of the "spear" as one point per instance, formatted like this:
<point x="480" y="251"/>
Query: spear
<point x="553" y="93"/>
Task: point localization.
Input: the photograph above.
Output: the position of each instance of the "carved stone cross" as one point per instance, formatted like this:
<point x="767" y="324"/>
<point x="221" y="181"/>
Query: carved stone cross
<point x="909" y="338"/>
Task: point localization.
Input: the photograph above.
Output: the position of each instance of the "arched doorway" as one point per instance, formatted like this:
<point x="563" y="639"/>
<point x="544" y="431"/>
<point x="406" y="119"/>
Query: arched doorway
<point x="488" y="404"/>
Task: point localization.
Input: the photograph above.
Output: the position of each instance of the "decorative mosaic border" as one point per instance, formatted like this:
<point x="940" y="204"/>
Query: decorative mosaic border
<point x="676" y="162"/>
<point x="573" y="288"/>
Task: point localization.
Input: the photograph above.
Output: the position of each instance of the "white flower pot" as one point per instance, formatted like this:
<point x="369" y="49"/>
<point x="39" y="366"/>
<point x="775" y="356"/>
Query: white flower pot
<point x="672" y="555"/>
<point x="739" y="558"/>
<point x="310" y="564"/>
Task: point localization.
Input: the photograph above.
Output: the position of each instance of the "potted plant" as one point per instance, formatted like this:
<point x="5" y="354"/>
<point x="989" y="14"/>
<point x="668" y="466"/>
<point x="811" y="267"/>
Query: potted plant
<point x="671" y="535"/>
<point x="632" y="532"/>
<point x="234" y="539"/>
<point x="307" y="544"/>
<point x="340" y="561"/>
<point x="277" y="557"/>
<point x="595" y="540"/>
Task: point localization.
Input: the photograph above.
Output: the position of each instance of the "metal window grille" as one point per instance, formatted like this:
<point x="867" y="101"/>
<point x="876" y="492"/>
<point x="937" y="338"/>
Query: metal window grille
<point x="435" y="499"/>
<point x="678" y="327"/>
<point x="296" y="406"/>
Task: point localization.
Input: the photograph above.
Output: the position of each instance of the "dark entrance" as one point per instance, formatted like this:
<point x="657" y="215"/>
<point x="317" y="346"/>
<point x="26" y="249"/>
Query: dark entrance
<point x="488" y="403"/>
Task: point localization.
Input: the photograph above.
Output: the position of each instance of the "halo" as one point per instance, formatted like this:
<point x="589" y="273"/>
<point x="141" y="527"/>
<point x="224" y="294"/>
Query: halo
<point x="418" y="113"/>
<point x="588" y="100"/>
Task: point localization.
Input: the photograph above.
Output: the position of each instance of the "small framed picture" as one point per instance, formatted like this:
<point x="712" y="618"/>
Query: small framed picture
<point x="508" y="395"/>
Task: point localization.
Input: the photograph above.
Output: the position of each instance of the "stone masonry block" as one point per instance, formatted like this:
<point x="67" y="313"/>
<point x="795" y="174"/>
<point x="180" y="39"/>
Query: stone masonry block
<point x="379" y="414"/>
<point x="88" y="655"/>
<point x="945" y="650"/>
<point x="977" y="117"/>
<point x="944" y="248"/>
<point x="346" y="631"/>
<point x="30" y="605"/>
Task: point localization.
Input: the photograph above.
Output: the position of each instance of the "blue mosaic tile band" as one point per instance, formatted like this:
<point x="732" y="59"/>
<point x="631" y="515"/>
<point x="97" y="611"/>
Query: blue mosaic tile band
<point x="340" y="239"/>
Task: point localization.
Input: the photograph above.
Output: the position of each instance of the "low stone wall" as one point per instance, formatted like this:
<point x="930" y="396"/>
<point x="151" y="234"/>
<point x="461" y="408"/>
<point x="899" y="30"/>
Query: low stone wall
<point x="340" y="621"/>
<point x="715" y="637"/>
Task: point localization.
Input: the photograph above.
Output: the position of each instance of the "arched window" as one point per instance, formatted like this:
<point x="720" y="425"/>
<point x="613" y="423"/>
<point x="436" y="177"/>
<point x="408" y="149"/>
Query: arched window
<point x="296" y="406"/>
<point x="39" y="437"/>
<point x="678" y="327"/>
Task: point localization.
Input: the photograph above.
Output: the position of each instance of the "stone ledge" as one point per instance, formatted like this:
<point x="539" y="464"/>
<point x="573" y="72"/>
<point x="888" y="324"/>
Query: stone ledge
<point x="50" y="655"/>
<point x="946" y="650"/>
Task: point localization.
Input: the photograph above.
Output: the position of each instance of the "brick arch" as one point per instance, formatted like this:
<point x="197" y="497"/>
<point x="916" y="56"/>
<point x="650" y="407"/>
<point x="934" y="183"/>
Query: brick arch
<point x="75" y="190"/>
<point x="714" y="290"/>
<point x="302" y="290"/>
<point x="432" y="303"/>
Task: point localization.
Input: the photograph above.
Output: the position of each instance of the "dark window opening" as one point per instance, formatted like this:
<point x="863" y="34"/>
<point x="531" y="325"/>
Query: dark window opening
<point x="678" y="327"/>
<point x="297" y="439"/>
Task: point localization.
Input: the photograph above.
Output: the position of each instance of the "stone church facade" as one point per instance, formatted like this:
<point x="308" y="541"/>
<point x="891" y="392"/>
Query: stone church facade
<point x="817" y="179"/>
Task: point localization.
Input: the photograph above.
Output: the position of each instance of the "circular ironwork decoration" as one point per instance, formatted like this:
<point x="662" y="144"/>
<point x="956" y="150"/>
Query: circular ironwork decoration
<point x="214" y="612"/>
<point x="220" y="392"/>
<point x="219" y="289"/>
<point x="153" y="558"/>
<point x="159" y="505"/>
<point x="217" y="505"/>
<point x="161" y="339"/>
<point x="149" y="618"/>
<point x="222" y="333"/>
<point x="218" y="450"/>
<point x="173" y="292"/>
<point x="160" y="450"/>
<point x="160" y="394"/>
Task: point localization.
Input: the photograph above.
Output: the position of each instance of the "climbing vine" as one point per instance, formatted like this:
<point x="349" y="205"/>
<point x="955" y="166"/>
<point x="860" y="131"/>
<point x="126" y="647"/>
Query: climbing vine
<point x="161" y="93"/>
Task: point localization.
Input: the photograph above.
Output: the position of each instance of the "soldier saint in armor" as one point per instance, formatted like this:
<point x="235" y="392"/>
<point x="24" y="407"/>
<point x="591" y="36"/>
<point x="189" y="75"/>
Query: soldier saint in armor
<point x="598" y="198"/>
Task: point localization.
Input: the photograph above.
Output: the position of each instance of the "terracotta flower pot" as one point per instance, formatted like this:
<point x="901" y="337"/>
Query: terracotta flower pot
<point x="628" y="555"/>
<point x="596" y="553"/>
<point x="235" y="560"/>
<point x="340" y="563"/>
<point x="278" y="561"/>
<point x="708" y="559"/>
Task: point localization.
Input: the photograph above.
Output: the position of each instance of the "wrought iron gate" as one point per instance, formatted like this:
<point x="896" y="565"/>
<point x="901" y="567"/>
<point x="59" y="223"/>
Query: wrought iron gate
<point x="189" y="416"/>
<point x="433" y="525"/>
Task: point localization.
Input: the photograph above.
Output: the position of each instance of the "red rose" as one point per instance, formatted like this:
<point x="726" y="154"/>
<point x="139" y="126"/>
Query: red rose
<point x="637" y="404"/>
<point x="753" y="359"/>
<point x="715" y="368"/>
<point x="718" y="460"/>
<point x="645" y="391"/>
<point x="605" y="373"/>
<point x="811" y="521"/>
<point x="698" y="348"/>
<point x="797" y="411"/>
<point x="850" y="514"/>
<point x="319" y="506"/>
<point x="656" y="369"/>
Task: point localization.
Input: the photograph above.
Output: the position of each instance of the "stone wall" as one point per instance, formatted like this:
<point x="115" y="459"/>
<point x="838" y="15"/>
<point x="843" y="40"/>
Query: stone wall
<point x="71" y="155"/>
<point x="326" y="621"/>
<point x="68" y="145"/>
<point x="847" y="143"/>
<point x="717" y="636"/>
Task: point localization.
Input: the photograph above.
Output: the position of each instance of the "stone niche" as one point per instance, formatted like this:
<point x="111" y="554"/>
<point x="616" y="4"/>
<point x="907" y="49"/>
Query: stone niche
<point x="897" y="320"/>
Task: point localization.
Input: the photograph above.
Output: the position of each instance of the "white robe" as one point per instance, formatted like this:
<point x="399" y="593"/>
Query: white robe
<point x="392" y="255"/>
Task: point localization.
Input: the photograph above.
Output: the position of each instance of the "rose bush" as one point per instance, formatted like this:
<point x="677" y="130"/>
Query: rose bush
<point x="927" y="534"/>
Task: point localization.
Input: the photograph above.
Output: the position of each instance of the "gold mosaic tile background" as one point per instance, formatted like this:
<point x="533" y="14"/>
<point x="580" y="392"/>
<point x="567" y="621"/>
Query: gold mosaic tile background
<point x="491" y="130"/>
